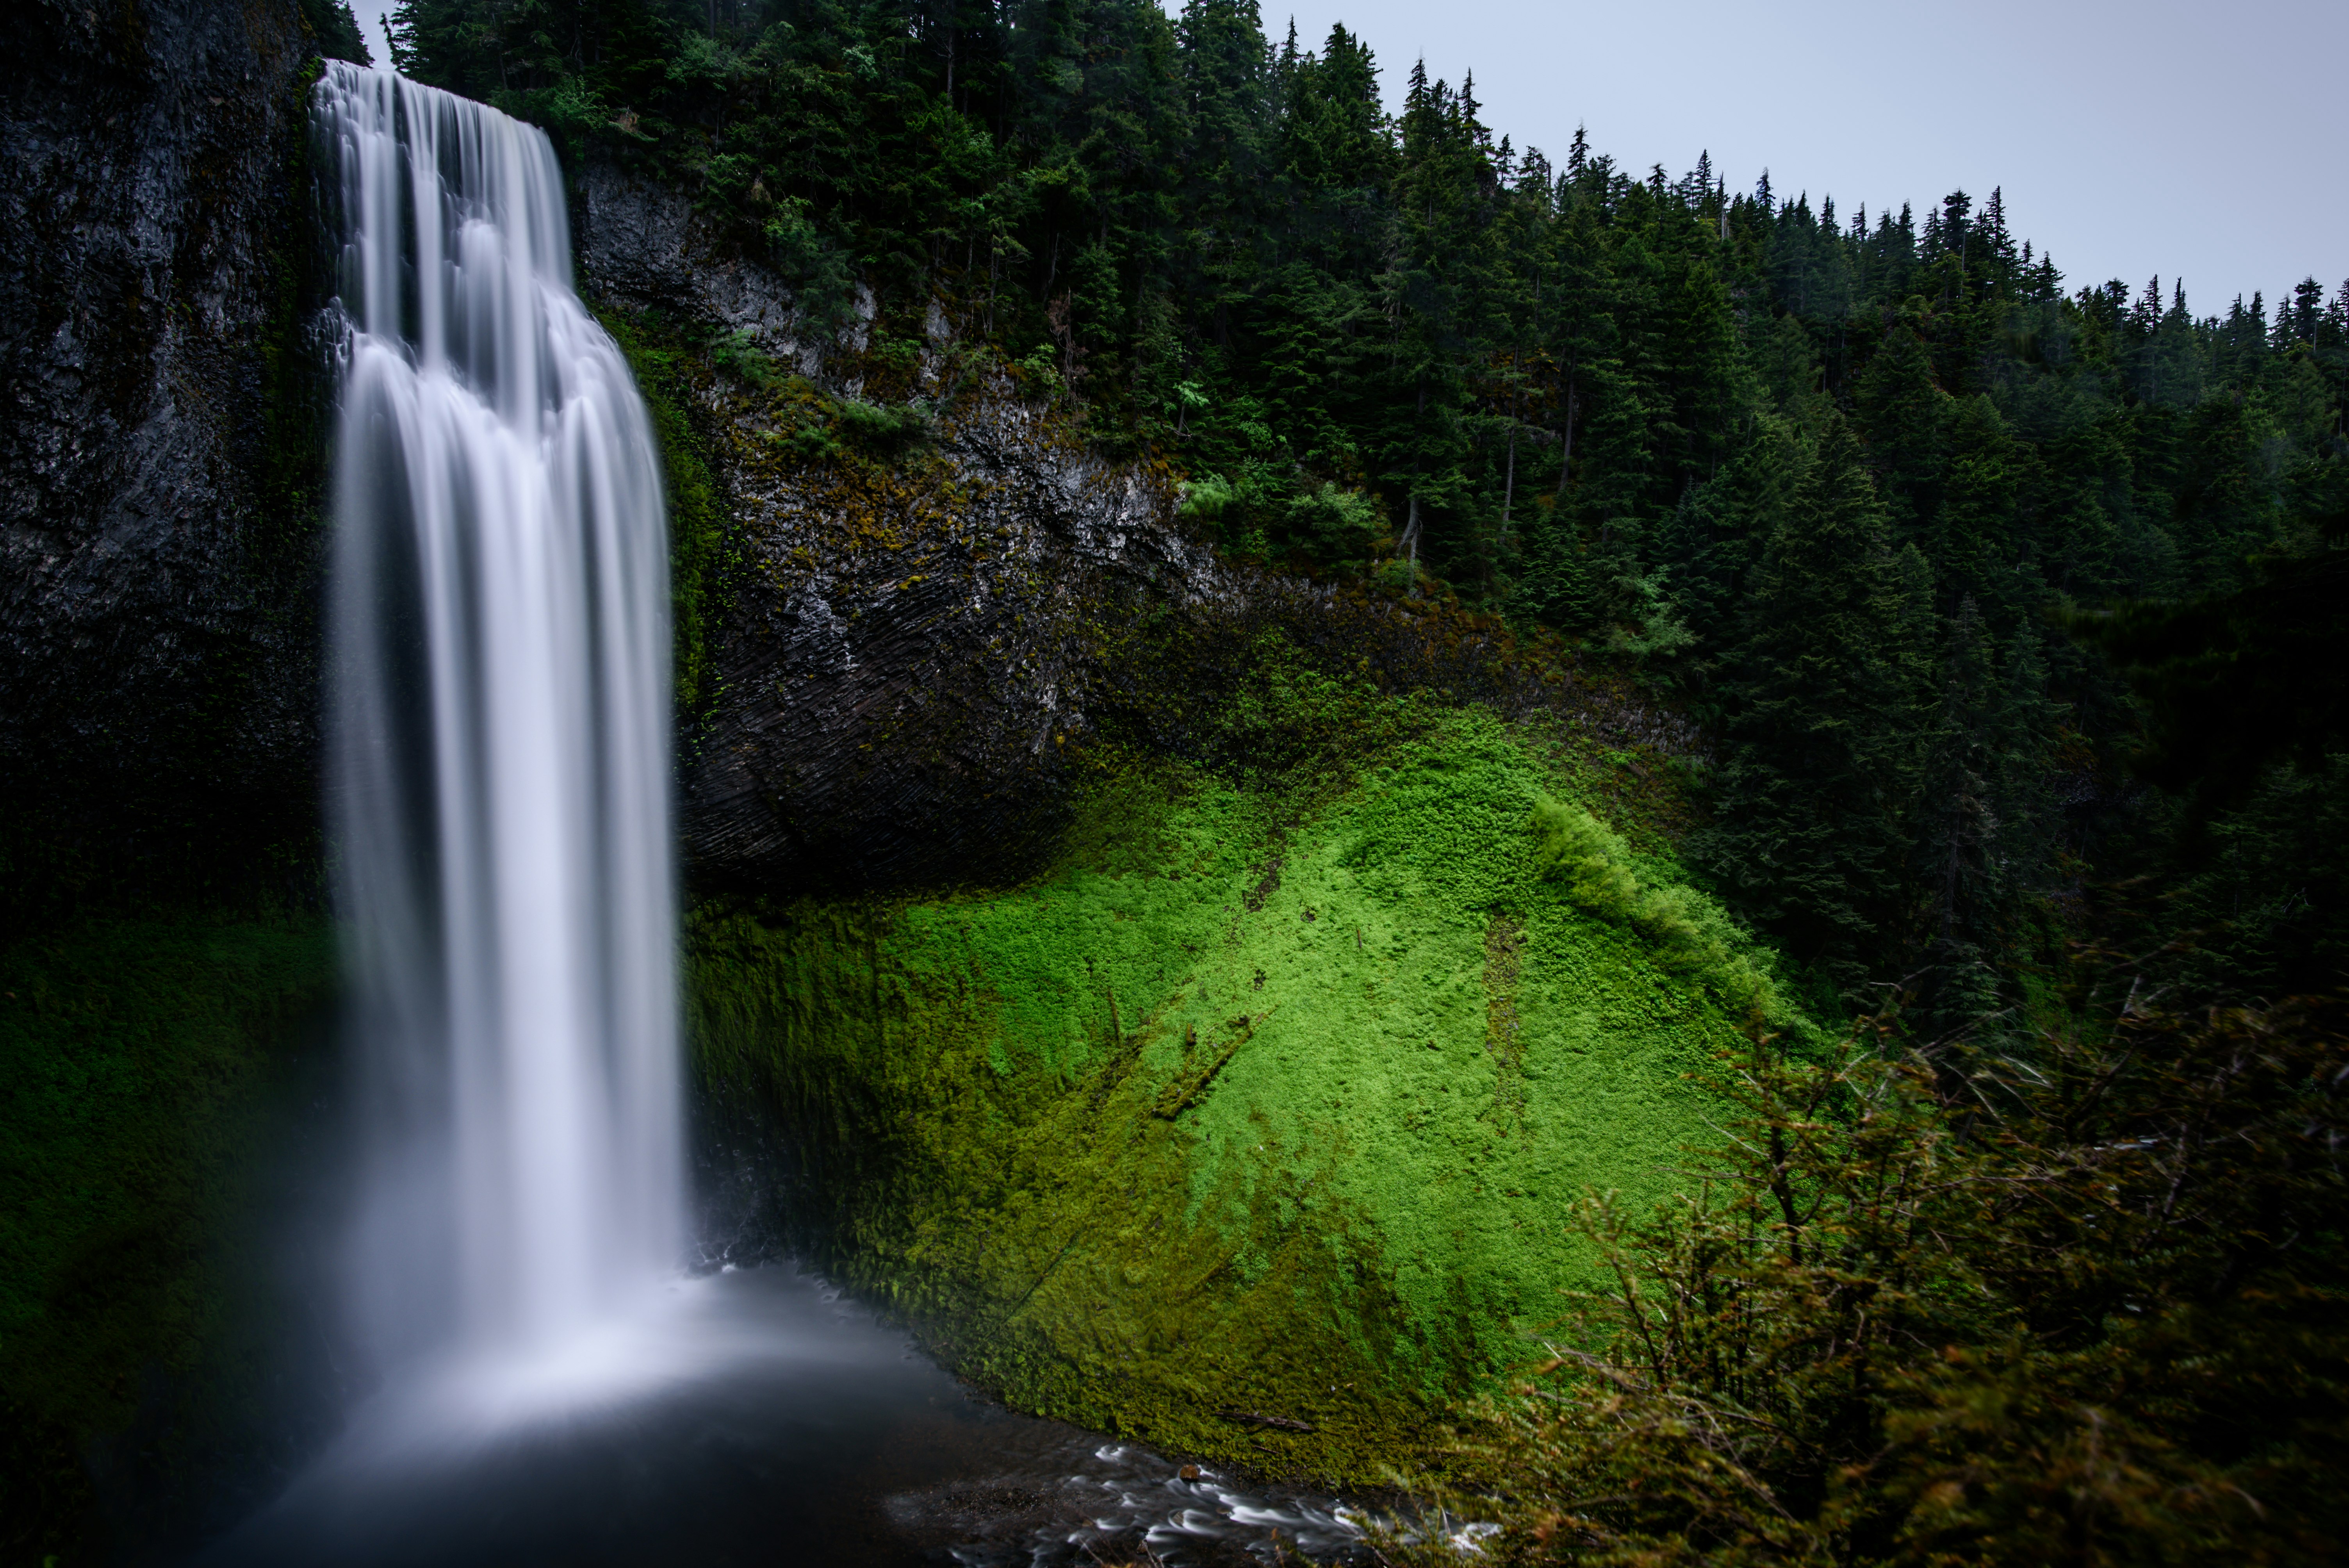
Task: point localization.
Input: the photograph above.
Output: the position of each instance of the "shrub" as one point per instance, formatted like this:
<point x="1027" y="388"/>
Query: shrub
<point x="2087" y="1309"/>
<point x="1691" y="934"/>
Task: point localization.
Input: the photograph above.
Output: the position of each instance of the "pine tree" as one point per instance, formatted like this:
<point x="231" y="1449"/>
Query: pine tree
<point x="1963" y="874"/>
<point x="1826" y="725"/>
<point x="1901" y="408"/>
<point x="1999" y="263"/>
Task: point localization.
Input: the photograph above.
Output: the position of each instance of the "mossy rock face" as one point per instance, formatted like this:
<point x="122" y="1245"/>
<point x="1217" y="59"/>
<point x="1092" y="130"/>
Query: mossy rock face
<point x="1249" y="1127"/>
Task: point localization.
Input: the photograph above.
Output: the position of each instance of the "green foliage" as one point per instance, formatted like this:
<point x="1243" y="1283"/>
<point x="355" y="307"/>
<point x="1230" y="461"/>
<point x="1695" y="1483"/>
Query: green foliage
<point x="1257" y="1100"/>
<point x="1689" y="932"/>
<point x="134" y="1052"/>
<point x="2090" y="1312"/>
<point x="1334" y="525"/>
<point x="735" y="354"/>
<point x="2251" y="901"/>
<point x="334" y="31"/>
<point x="1259" y="516"/>
<point x="2240" y="681"/>
<point x="880" y="428"/>
<point x="2245" y="852"/>
<point x="1210" y="500"/>
<point x="1826" y="737"/>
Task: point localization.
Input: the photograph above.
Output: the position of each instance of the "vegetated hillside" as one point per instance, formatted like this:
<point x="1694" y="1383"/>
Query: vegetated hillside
<point x="1832" y="489"/>
<point x="1245" y="1127"/>
<point x="1826" y="474"/>
<point x="1170" y="984"/>
<point x="1873" y="503"/>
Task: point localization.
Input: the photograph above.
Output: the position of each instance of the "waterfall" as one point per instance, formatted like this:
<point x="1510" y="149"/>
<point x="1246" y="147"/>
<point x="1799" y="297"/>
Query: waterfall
<point x="500" y="756"/>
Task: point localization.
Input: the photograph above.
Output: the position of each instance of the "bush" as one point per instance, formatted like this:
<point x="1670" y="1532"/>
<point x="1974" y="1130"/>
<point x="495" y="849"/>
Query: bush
<point x="2087" y="1309"/>
<point x="1691" y="934"/>
<point x="1259" y="515"/>
<point x="875" y="426"/>
<point x="1335" y="524"/>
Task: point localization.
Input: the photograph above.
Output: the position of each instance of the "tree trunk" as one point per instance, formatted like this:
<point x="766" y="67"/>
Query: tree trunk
<point x="1566" y="460"/>
<point x="1509" y="484"/>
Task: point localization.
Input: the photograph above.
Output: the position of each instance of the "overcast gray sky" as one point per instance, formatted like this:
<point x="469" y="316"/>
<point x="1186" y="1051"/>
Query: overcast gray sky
<point x="2202" y="141"/>
<point x="2152" y="136"/>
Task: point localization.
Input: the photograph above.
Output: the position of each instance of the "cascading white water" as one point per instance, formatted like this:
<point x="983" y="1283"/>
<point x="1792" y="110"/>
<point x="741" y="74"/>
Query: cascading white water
<point x="499" y="705"/>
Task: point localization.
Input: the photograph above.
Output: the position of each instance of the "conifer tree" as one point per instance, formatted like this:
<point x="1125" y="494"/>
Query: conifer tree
<point x="1824" y="726"/>
<point x="1901" y="408"/>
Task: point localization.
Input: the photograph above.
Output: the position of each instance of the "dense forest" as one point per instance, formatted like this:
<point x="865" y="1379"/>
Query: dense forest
<point x="1834" y="482"/>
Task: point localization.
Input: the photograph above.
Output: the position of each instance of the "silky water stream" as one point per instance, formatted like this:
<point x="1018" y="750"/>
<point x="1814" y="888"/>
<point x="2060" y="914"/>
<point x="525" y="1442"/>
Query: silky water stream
<point x="552" y="1383"/>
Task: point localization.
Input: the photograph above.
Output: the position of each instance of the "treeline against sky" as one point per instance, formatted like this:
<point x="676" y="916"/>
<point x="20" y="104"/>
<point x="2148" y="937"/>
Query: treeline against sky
<point x="1834" y="479"/>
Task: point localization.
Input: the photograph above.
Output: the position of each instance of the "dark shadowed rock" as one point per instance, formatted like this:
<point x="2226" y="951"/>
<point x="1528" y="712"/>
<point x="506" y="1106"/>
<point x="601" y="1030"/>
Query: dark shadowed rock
<point x="160" y="449"/>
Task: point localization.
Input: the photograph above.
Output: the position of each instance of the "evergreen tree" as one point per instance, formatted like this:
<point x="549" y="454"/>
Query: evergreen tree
<point x="1824" y="726"/>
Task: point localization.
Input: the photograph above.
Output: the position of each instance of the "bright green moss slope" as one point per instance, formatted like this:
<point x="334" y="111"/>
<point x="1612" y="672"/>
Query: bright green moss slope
<point x="1257" y="1105"/>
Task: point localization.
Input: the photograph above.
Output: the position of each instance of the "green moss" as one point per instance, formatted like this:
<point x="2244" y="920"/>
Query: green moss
<point x="131" y="1053"/>
<point x="1689" y="933"/>
<point x="1263" y="1103"/>
<point x="667" y="374"/>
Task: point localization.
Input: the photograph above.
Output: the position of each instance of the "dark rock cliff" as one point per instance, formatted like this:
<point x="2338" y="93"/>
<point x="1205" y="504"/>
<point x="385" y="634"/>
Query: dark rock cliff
<point x="904" y="643"/>
<point x="159" y="445"/>
<point x="937" y="596"/>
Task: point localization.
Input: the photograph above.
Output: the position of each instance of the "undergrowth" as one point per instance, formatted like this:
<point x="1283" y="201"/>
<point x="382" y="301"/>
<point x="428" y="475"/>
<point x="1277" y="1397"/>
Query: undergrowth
<point x="2079" y="1305"/>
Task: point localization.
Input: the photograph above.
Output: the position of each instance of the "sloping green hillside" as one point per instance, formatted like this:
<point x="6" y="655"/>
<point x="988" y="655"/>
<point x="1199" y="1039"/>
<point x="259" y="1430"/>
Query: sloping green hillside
<point x="1250" y="1125"/>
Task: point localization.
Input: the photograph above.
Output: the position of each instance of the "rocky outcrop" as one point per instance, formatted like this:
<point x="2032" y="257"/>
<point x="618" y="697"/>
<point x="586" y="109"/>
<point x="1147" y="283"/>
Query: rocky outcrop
<point x="905" y="671"/>
<point x="937" y="593"/>
<point x="159" y="443"/>
<point x="918" y="603"/>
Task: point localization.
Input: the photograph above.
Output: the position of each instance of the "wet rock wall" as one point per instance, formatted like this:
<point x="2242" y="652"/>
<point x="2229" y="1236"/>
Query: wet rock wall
<point x="161" y="446"/>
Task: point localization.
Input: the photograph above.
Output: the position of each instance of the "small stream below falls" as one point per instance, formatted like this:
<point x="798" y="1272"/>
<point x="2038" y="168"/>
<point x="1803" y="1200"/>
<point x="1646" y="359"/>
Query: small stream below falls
<point x="768" y="1420"/>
